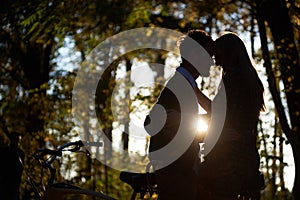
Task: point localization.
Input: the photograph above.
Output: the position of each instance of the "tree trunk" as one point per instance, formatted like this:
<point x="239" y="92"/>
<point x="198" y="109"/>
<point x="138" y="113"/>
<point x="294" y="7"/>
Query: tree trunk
<point x="35" y="63"/>
<point x="103" y="108"/>
<point x="127" y="104"/>
<point x="275" y="13"/>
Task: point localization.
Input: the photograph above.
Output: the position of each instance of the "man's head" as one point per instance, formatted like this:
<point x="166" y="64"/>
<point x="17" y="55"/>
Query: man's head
<point x="196" y="49"/>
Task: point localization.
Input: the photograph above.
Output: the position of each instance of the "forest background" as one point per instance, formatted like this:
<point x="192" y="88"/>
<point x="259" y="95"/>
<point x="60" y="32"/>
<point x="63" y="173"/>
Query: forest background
<point x="42" y="43"/>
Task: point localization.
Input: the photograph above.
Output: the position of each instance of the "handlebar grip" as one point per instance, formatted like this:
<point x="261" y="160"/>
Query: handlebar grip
<point x="93" y="144"/>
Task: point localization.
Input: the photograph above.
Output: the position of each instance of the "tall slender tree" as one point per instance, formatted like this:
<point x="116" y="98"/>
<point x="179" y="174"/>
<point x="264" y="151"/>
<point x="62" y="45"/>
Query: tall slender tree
<point x="276" y="15"/>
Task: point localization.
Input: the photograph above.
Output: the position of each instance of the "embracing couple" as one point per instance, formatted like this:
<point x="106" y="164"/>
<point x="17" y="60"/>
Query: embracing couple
<point x="230" y="169"/>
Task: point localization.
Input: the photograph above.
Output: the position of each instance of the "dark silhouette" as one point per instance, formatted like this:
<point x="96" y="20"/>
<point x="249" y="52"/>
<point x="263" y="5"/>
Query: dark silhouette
<point x="177" y="105"/>
<point x="11" y="169"/>
<point x="231" y="168"/>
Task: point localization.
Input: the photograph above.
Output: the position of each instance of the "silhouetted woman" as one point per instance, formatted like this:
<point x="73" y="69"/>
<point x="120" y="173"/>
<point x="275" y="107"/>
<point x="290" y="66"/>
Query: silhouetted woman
<point x="231" y="168"/>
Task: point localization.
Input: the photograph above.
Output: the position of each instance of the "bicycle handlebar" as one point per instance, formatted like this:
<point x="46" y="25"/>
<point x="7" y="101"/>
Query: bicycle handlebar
<point x="46" y="162"/>
<point x="76" y="145"/>
<point x="40" y="153"/>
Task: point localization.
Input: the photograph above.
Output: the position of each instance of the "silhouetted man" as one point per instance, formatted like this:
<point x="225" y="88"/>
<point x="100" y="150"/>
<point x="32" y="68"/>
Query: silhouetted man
<point x="174" y="116"/>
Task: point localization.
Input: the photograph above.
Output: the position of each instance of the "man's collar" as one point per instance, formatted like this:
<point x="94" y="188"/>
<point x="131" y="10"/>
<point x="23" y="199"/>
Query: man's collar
<point x="187" y="75"/>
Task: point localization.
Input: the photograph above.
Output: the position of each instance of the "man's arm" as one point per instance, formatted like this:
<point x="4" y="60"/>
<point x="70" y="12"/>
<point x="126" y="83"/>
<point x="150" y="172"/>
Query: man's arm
<point x="160" y="119"/>
<point x="203" y="100"/>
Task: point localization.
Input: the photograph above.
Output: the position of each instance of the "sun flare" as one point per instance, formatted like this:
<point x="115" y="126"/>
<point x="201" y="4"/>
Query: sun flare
<point x="202" y="125"/>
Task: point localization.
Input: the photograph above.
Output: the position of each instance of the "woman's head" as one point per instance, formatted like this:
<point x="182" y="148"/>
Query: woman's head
<point x="231" y="53"/>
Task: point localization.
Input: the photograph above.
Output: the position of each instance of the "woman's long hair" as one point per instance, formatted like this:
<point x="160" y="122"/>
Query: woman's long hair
<point x="231" y="54"/>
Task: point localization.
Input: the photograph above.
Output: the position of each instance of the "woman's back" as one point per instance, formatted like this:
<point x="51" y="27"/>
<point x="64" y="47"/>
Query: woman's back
<point x="243" y="107"/>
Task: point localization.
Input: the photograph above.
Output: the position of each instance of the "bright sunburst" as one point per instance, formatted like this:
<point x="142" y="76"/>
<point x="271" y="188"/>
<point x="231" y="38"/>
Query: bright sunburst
<point x="202" y="125"/>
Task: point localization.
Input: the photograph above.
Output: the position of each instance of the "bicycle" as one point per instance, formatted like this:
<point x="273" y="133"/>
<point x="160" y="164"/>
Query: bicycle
<point x="141" y="183"/>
